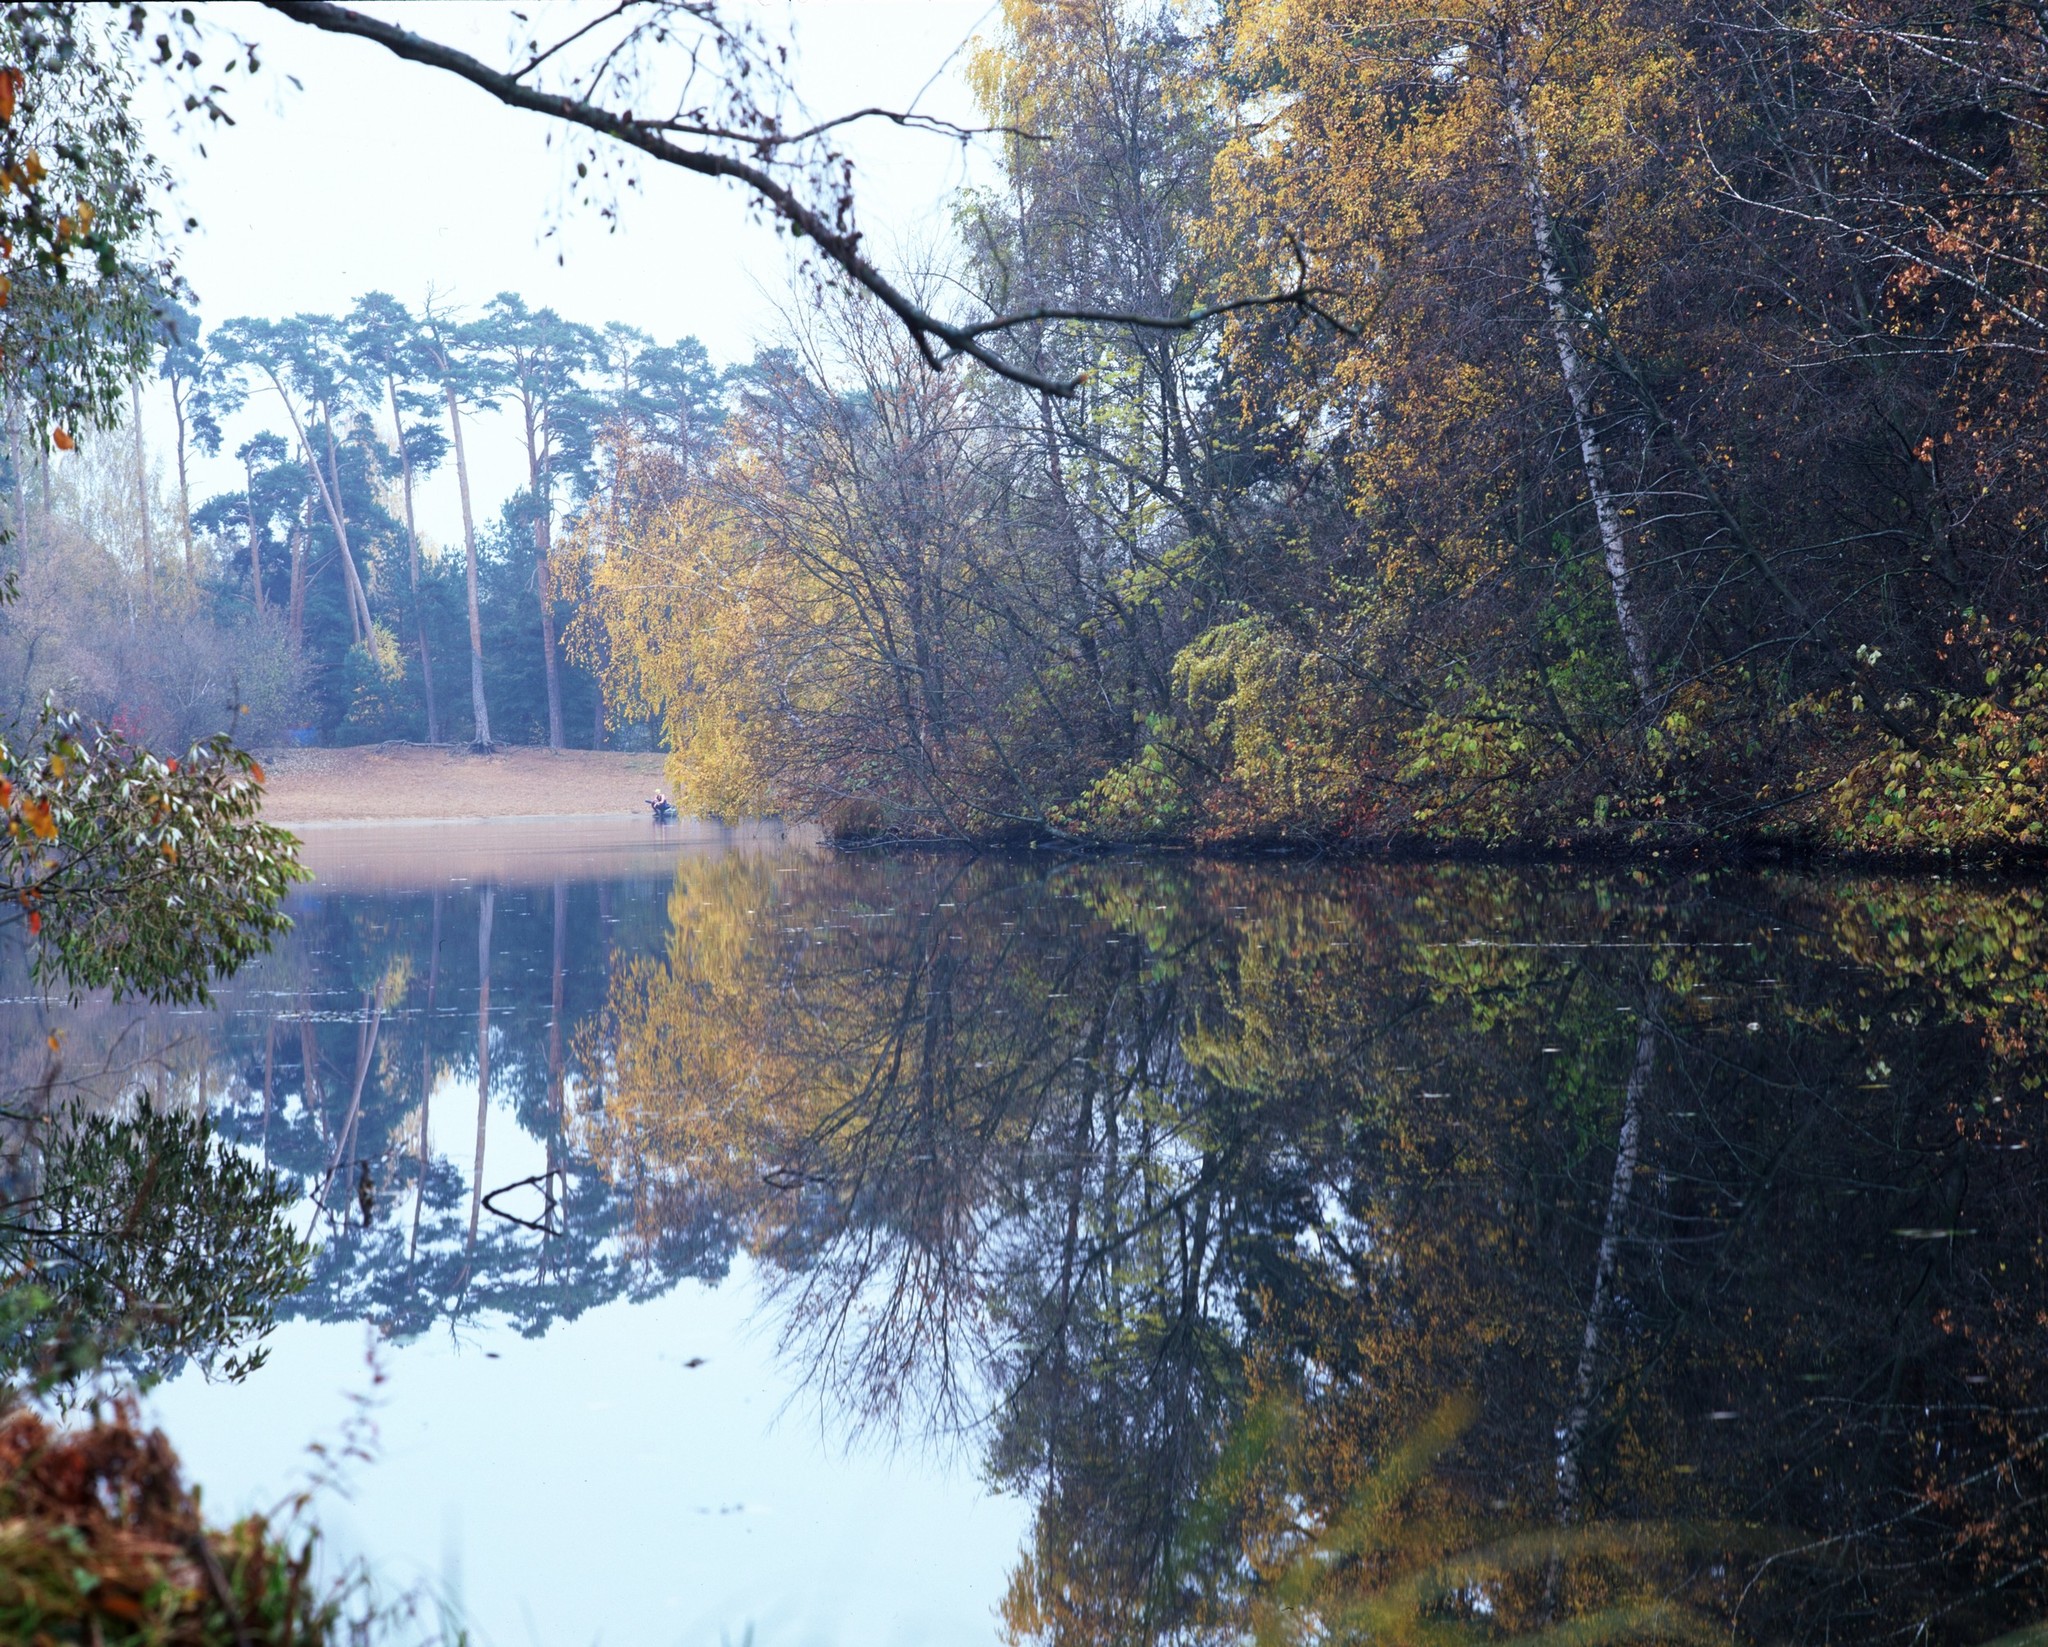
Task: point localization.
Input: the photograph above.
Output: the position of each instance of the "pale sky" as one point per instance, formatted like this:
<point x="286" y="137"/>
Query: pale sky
<point x="375" y="174"/>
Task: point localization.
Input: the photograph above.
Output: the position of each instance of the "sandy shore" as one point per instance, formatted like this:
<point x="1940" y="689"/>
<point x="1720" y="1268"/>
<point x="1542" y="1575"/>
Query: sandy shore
<point x="392" y="782"/>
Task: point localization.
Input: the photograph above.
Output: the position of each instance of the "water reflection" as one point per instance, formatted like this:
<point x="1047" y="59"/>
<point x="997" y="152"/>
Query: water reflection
<point x="1718" y="1197"/>
<point x="1697" y="1220"/>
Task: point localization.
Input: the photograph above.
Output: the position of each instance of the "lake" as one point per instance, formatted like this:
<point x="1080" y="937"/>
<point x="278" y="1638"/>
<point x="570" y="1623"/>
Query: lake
<point x="724" y="1238"/>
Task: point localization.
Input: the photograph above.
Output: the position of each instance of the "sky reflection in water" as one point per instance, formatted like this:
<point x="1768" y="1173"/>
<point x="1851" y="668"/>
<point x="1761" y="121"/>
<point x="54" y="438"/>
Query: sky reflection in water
<point x="1003" y="1199"/>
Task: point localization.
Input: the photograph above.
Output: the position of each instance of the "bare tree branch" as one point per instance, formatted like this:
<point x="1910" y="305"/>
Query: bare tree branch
<point x="936" y="338"/>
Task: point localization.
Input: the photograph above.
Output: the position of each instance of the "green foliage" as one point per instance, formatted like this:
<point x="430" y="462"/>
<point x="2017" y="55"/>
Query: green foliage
<point x="374" y="679"/>
<point x="1975" y="783"/>
<point x="137" y="874"/>
<point x="86" y="277"/>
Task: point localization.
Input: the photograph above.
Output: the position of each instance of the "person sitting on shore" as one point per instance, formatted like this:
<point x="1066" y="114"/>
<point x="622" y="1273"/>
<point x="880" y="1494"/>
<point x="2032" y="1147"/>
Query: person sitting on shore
<point x="660" y="803"/>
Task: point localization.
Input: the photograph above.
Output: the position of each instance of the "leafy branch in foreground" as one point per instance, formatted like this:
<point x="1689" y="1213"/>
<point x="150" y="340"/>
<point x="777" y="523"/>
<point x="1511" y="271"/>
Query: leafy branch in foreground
<point x="106" y="1543"/>
<point x="135" y="873"/>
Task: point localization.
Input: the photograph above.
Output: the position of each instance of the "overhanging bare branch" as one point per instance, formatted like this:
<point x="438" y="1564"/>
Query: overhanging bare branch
<point x="937" y="339"/>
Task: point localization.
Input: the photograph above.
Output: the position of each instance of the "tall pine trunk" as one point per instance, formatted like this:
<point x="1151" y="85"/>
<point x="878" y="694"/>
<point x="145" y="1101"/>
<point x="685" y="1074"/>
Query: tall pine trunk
<point x="358" y="606"/>
<point x="184" y="480"/>
<point x="480" y="737"/>
<point x="348" y="559"/>
<point x="412" y="541"/>
<point x="255" y="541"/>
<point x="301" y="530"/>
<point x="540" y="488"/>
<point x="142" y="491"/>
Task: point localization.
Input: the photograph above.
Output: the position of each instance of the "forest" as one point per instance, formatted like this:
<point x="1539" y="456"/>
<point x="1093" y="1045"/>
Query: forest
<point x="307" y="605"/>
<point x="1517" y="425"/>
<point x="1605" y="425"/>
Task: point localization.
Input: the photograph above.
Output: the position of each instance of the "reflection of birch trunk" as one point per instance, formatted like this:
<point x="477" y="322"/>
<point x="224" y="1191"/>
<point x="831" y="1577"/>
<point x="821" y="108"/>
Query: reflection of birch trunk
<point x="366" y="1050"/>
<point x="269" y="1065"/>
<point x="419" y="1199"/>
<point x="1578" y="387"/>
<point x="483" y="1057"/>
<point x="309" y="1063"/>
<point x="1571" y="1434"/>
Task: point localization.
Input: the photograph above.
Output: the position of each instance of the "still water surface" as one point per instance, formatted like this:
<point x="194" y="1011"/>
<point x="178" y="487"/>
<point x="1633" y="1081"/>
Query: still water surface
<point x="923" y="1249"/>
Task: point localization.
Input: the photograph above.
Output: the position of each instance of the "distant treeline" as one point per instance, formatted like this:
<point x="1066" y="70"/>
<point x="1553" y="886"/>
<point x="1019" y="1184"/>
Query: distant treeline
<point x="1654" y="444"/>
<point x="305" y="602"/>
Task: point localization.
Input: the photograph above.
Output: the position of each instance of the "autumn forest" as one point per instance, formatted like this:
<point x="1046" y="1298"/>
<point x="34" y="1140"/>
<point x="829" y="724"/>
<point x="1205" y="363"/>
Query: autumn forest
<point x="1523" y="522"/>
<point x="1611" y="425"/>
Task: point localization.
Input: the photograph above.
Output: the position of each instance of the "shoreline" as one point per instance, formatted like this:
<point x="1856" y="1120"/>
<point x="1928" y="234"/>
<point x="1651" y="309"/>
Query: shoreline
<point x="1696" y="851"/>
<point x="382" y="787"/>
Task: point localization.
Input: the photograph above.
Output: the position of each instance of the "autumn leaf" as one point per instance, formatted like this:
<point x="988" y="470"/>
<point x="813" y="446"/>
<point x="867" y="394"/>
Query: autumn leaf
<point x="10" y="89"/>
<point x="62" y="441"/>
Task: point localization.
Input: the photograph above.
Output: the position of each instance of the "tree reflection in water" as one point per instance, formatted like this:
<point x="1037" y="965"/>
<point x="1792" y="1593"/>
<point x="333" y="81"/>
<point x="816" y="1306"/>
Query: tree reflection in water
<point x="1463" y="1252"/>
<point x="1718" y="1196"/>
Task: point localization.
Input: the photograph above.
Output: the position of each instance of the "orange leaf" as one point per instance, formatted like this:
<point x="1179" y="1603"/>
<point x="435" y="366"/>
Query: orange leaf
<point x="114" y="1603"/>
<point x="63" y="441"/>
<point x="256" y="771"/>
<point x="10" y="89"/>
<point x="35" y="920"/>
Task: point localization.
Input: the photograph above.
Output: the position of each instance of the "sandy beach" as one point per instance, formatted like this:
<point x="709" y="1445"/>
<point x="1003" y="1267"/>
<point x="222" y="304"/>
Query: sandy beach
<point x="390" y="782"/>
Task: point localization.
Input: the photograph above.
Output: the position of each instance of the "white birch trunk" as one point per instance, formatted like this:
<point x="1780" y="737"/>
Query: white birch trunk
<point x="1578" y="388"/>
